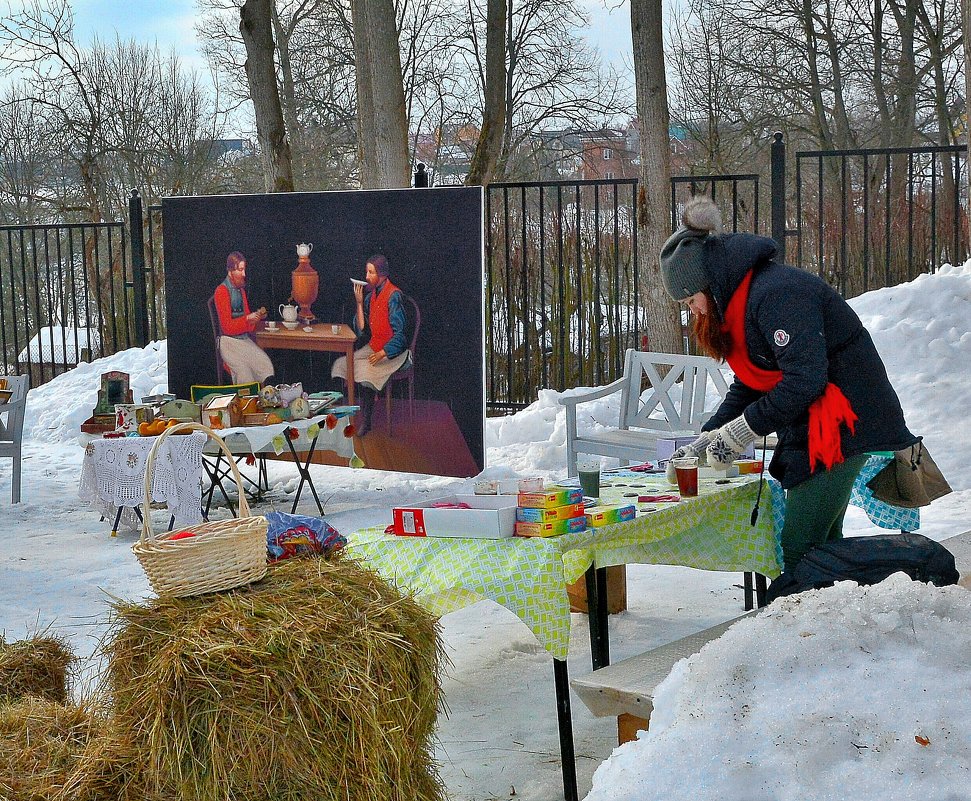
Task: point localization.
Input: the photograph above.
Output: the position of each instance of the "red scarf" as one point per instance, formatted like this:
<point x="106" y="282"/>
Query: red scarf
<point x="826" y="414"/>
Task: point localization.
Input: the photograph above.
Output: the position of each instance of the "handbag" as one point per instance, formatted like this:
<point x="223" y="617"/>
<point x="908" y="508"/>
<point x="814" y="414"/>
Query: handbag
<point x="910" y="480"/>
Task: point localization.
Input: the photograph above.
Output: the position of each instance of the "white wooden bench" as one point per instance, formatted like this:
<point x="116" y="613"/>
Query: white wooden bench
<point x="625" y="690"/>
<point x="960" y="546"/>
<point x="679" y="389"/>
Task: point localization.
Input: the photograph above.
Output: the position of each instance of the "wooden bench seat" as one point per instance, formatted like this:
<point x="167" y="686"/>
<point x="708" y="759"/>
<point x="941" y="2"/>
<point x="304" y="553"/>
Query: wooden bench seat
<point x="625" y="690"/>
<point x="960" y="546"/>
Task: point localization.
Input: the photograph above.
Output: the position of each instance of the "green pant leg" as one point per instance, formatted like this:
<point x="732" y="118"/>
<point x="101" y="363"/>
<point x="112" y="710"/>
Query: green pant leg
<point x="815" y="508"/>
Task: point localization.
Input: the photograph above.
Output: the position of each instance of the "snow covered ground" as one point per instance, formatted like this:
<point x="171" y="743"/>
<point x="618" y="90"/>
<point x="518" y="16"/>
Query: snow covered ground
<point x="830" y="697"/>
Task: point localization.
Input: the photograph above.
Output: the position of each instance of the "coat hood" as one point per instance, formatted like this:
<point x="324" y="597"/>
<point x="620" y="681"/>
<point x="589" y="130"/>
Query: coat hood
<point x="730" y="257"/>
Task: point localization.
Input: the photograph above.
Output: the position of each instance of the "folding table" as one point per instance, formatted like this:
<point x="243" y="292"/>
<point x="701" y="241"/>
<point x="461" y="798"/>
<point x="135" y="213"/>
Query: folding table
<point x="295" y="436"/>
<point x="529" y="576"/>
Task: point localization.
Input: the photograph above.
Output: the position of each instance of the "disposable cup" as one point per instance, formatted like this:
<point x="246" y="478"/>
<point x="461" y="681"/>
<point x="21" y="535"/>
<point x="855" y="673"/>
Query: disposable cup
<point x="588" y="469"/>
<point x="686" y="469"/>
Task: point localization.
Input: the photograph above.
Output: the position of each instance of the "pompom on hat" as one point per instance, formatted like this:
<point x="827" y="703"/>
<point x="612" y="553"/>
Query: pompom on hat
<point x="684" y="255"/>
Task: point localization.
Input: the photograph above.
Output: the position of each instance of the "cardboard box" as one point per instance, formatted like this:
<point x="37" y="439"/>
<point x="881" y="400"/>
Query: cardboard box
<point x="550" y="497"/>
<point x="551" y="529"/>
<point x="529" y="515"/>
<point x="668" y="445"/>
<point x="611" y="513"/>
<point x="489" y="517"/>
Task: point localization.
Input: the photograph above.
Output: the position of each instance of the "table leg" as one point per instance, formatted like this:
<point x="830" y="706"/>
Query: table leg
<point x="747" y="591"/>
<point x="596" y="581"/>
<point x="564" y="722"/>
<point x="304" y="470"/>
<point x="350" y="374"/>
<point x="114" y="526"/>
<point x="760" y="590"/>
<point x="215" y="480"/>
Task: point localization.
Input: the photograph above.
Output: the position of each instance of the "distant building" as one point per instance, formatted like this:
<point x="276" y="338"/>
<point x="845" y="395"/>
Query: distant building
<point x="55" y="349"/>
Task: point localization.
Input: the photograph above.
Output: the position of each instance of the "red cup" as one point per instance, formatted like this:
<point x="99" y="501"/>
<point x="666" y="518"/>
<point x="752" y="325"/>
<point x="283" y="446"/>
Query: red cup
<point x="686" y="470"/>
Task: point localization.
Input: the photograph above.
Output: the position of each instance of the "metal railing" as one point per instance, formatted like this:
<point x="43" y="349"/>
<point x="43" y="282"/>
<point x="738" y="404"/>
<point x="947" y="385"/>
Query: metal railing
<point x="64" y="296"/>
<point x="871" y="218"/>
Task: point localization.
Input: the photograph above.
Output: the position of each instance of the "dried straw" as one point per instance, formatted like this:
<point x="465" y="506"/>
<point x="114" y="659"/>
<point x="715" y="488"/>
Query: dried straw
<point x="35" y="667"/>
<point x="40" y="745"/>
<point x="319" y="682"/>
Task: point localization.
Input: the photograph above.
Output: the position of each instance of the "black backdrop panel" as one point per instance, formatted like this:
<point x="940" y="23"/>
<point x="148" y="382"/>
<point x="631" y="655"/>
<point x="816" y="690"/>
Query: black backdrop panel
<point x="432" y="239"/>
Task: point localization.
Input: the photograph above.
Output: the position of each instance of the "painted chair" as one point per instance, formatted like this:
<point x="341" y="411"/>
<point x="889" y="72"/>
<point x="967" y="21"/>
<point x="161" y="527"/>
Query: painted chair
<point x="12" y="429"/>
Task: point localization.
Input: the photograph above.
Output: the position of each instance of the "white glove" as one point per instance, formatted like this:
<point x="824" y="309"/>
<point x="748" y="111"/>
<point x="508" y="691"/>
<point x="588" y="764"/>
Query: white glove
<point x="696" y="448"/>
<point x="729" y="442"/>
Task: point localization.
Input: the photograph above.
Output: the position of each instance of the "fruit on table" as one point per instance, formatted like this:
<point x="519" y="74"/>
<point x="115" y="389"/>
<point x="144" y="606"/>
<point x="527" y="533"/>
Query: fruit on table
<point x="145" y="429"/>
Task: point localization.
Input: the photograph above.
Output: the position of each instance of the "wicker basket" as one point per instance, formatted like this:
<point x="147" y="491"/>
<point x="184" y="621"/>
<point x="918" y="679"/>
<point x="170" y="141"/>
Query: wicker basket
<point x="221" y="555"/>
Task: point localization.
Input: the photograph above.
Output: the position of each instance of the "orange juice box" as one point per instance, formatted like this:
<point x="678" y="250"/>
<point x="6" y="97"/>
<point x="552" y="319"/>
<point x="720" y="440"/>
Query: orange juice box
<point x="551" y="497"/>
<point x="530" y="515"/>
<point x="552" y="528"/>
<point x="609" y="513"/>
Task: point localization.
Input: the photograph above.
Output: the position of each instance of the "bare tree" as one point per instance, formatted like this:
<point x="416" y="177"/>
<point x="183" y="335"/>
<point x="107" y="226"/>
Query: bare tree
<point x="382" y="125"/>
<point x="663" y="320"/>
<point x="256" y="28"/>
<point x="966" y="38"/>
<point x="489" y="146"/>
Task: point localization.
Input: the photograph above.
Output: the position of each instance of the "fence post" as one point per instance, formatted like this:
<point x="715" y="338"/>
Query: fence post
<point x="421" y="176"/>
<point x="139" y="290"/>
<point x="779" y="193"/>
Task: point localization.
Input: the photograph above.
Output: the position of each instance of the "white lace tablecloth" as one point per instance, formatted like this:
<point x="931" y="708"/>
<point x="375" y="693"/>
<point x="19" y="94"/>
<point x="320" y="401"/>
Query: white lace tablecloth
<point x="113" y="476"/>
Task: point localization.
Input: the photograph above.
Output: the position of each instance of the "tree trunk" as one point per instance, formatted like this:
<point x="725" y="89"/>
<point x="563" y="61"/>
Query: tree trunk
<point x="966" y="25"/>
<point x="489" y="146"/>
<point x="382" y="131"/>
<point x="653" y="220"/>
<point x="256" y="28"/>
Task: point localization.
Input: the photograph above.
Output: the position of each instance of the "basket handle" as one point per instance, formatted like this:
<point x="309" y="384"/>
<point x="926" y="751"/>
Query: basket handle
<point x="244" y="510"/>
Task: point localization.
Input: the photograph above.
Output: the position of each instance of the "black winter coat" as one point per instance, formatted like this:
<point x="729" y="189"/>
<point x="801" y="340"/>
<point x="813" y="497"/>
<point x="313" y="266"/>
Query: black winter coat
<point x="796" y="323"/>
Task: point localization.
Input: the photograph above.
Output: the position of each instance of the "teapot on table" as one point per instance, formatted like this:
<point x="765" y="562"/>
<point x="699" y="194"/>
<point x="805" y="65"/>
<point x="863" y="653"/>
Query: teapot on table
<point x="288" y="313"/>
<point x="304" y="249"/>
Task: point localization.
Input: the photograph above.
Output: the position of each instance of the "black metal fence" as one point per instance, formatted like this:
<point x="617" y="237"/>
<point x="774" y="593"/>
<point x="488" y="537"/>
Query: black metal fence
<point x="866" y="219"/>
<point x="564" y="292"/>
<point x="64" y="296"/>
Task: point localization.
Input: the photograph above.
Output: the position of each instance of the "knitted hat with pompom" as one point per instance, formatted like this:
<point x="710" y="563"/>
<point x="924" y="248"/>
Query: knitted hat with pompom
<point x="684" y="255"/>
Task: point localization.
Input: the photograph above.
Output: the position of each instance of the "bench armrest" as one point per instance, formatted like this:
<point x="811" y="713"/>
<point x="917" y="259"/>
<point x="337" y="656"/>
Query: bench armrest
<point x="602" y="392"/>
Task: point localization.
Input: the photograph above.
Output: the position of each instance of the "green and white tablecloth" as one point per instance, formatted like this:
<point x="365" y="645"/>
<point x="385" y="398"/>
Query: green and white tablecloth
<point x="528" y="576"/>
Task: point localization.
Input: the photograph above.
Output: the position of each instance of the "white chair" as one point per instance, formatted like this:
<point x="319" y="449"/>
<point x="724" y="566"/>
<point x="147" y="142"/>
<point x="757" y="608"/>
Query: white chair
<point x="12" y="429"/>
<point x="679" y="394"/>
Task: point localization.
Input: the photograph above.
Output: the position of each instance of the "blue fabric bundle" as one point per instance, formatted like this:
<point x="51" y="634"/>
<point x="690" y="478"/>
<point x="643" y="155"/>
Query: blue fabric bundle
<point x="299" y="535"/>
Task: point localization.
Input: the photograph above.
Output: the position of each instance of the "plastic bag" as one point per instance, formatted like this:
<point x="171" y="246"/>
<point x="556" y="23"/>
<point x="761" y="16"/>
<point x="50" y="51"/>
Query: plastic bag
<point x="300" y="535"/>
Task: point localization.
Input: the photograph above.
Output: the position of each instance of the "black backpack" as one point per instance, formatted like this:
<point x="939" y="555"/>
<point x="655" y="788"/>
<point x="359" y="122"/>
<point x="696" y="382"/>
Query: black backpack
<point x="867" y="560"/>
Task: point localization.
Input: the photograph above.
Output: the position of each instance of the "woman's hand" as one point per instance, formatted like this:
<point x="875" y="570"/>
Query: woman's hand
<point x="374" y="358"/>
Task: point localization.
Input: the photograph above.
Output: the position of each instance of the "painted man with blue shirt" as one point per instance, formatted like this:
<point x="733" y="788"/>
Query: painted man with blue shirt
<point x="379" y="323"/>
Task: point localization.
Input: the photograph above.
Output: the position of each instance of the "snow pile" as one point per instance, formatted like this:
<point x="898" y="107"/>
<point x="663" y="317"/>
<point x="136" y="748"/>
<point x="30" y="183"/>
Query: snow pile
<point x="854" y="692"/>
<point x="56" y="410"/>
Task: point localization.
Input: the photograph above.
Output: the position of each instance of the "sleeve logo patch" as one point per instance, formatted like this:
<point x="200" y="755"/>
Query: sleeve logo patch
<point x="781" y="338"/>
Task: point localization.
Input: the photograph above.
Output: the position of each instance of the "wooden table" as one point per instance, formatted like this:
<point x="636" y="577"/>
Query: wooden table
<point x="322" y="338"/>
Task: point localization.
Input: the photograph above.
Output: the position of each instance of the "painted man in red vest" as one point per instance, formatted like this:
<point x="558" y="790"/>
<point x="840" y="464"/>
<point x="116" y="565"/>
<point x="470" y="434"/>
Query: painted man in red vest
<point x="246" y="361"/>
<point x="380" y="324"/>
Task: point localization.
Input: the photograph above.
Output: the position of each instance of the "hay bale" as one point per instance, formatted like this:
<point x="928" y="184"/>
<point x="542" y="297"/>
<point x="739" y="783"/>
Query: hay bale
<point x="321" y="681"/>
<point x="35" y="667"/>
<point x="41" y="743"/>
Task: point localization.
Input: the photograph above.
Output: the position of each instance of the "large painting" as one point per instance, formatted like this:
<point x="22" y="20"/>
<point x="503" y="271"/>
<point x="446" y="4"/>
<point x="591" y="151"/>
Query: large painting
<point x="373" y="294"/>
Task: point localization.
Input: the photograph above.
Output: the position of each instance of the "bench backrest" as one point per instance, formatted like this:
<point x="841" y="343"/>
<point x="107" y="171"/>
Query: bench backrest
<point x="680" y="393"/>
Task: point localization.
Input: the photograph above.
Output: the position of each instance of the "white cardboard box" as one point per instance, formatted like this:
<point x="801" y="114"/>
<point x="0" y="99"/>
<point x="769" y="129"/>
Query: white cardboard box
<point x="490" y="517"/>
